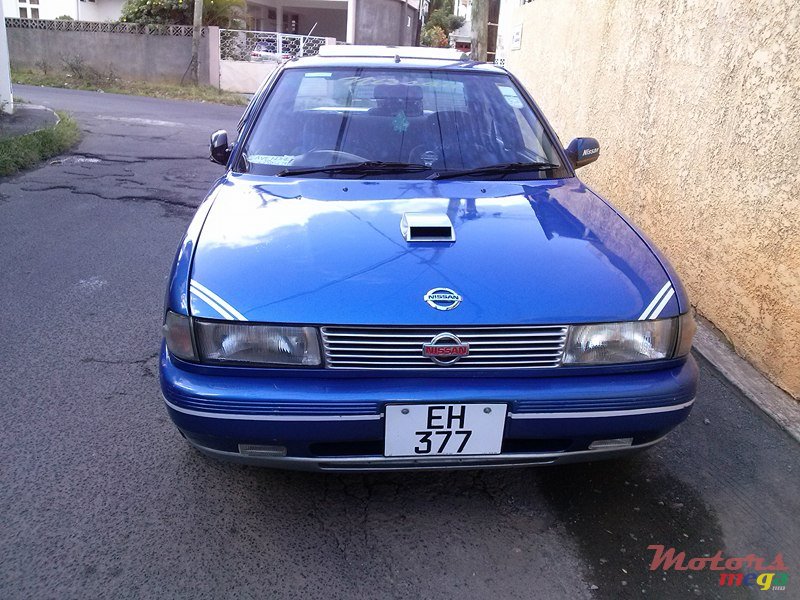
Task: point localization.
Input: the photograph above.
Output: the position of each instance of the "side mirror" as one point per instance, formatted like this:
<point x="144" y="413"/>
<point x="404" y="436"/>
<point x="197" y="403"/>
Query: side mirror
<point x="220" y="151"/>
<point x="582" y="151"/>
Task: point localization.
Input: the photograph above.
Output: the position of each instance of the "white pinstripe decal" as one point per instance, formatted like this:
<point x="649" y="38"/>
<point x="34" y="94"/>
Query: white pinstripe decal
<point x="646" y="314"/>
<point x="223" y="313"/>
<point x="664" y="302"/>
<point x="233" y="313"/>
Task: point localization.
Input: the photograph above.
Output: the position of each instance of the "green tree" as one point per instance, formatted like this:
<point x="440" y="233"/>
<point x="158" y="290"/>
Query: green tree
<point x="446" y="21"/>
<point x="441" y="22"/>
<point x="222" y="13"/>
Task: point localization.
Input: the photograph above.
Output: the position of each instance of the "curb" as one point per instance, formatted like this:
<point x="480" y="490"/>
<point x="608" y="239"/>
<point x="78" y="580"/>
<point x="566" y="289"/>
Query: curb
<point x="776" y="403"/>
<point x="52" y="119"/>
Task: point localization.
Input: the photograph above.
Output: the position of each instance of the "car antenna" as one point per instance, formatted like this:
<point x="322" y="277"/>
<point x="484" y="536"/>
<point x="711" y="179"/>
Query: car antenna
<point x="303" y="41"/>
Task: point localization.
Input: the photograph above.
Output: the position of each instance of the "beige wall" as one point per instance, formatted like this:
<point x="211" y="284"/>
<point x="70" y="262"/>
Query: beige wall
<point x="696" y="104"/>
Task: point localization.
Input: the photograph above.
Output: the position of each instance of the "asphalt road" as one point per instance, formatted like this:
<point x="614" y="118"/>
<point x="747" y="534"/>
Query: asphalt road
<point x="101" y="498"/>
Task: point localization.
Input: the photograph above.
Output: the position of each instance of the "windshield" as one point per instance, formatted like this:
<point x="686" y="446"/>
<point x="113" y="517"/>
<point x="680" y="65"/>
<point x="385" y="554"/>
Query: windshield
<point x="445" y="121"/>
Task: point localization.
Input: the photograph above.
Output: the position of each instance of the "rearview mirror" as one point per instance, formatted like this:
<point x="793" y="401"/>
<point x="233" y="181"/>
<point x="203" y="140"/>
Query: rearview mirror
<point x="582" y="151"/>
<point x="220" y="151"/>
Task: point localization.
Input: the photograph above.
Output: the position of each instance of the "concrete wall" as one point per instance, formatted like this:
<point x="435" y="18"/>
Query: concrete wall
<point x="244" y="77"/>
<point x="386" y="22"/>
<point x="697" y="108"/>
<point x="158" y="58"/>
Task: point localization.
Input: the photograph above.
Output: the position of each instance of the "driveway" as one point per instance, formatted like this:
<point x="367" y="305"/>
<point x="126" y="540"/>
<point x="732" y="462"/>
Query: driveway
<point x="100" y="496"/>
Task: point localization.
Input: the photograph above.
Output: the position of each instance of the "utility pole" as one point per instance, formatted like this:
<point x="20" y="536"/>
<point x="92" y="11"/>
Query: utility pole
<point x="480" y="29"/>
<point x="198" y="25"/>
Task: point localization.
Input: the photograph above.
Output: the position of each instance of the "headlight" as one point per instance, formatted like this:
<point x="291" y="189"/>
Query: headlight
<point x="178" y="334"/>
<point x="226" y="342"/>
<point x="635" y="341"/>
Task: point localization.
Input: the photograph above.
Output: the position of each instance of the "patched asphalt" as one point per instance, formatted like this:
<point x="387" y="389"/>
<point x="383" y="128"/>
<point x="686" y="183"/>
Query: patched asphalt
<point x="100" y="497"/>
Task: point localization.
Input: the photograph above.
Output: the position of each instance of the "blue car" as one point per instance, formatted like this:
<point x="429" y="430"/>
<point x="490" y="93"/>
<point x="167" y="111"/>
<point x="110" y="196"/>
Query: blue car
<point x="399" y="269"/>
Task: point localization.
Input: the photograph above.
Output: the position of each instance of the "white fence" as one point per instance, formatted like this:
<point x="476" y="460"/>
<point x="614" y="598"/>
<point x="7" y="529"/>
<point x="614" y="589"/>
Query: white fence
<point x="102" y="27"/>
<point x="253" y="46"/>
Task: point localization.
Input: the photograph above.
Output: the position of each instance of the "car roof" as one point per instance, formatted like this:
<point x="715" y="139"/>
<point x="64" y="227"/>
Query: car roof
<point x="391" y="57"/>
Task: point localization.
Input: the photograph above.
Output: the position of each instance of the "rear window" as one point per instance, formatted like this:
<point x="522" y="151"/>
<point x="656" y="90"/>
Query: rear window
<point x="445" y="120"/>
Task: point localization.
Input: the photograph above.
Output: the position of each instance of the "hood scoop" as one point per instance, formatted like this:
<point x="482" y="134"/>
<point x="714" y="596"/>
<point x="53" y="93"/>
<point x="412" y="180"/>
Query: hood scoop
<point x="427" y="227"/>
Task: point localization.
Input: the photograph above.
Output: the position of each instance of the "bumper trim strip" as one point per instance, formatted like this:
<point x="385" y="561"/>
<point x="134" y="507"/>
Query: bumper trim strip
<point x="243" y="417"/>
<point x="601" y="413"/>
<point x="536" y="415"/>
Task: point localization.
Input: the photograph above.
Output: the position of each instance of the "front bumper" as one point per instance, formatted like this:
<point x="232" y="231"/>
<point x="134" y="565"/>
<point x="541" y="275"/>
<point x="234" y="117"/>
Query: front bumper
<point x="381" y="463"/>
<point x="334" y="422"/>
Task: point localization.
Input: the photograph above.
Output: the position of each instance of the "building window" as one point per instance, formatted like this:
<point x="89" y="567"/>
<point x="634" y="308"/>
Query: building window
<point x="33" y="1"/>
<point x="291" y="23"/>
<point x="34" y="13"/>
<point x="23" y="12"/>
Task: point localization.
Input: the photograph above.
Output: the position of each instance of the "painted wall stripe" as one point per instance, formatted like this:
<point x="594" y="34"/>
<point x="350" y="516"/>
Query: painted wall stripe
<point x="230" y="309"/>
<point x="655" y="301"/>
<point x="664" y="302"/>
<point x="212" y="304"/>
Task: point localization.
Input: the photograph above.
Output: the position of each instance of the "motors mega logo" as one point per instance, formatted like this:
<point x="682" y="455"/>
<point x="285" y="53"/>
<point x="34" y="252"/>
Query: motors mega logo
<point x="773" y="576"/>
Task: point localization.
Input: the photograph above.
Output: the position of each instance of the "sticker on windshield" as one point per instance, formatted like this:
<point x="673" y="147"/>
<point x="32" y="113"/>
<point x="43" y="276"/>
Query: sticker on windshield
<point x="510" y="95"/>
<point x="268" y="159"/>
<point x="400" y="122"/>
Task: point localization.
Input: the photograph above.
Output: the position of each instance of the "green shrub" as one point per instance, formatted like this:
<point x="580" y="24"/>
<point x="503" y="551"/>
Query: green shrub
<point x="222" y="13"/>
<point x="434" y="37"/>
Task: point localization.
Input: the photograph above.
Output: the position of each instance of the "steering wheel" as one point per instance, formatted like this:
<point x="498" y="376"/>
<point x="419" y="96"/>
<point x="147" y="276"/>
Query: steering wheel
<point x="315" y="158"/>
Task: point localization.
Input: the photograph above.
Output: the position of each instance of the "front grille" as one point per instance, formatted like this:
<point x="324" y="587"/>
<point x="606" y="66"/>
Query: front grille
<point x="527" y="347"/>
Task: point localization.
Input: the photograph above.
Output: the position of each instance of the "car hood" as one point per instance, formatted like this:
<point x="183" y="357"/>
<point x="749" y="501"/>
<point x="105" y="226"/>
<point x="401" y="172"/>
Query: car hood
<point x="332" y="252"/>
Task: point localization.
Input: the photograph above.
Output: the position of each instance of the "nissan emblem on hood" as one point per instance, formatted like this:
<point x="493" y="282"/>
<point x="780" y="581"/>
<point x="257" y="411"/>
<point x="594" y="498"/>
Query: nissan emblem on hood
<point x="442" y="298"/>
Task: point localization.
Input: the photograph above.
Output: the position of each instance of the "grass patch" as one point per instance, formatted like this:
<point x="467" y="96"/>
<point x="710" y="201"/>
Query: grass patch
<point x="86" y="79"/>
<point x="24" y="151"/>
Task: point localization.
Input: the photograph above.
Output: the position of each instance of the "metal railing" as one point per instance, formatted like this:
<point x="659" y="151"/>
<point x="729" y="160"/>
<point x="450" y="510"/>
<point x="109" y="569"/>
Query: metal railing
<point x="235" y="44"/>
<point x="101" y="27"/>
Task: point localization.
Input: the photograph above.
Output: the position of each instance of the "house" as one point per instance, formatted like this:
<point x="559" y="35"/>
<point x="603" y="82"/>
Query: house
<point x="79" y="10"/>
<point x="392" y="22"/>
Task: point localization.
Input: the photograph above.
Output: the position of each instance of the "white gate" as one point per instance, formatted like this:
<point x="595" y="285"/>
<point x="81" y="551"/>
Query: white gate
<point x="247" y="57"/>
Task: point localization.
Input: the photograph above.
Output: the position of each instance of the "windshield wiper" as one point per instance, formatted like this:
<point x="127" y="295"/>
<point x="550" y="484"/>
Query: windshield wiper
<point x="498" y="169"/>
<point x="367" y="166"/>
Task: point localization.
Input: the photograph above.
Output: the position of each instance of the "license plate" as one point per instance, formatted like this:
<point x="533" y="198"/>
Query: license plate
<point x="444" y="429"/>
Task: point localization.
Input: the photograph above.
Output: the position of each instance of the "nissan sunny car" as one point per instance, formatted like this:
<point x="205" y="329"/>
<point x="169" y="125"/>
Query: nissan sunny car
<point x="399" y="269"/>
